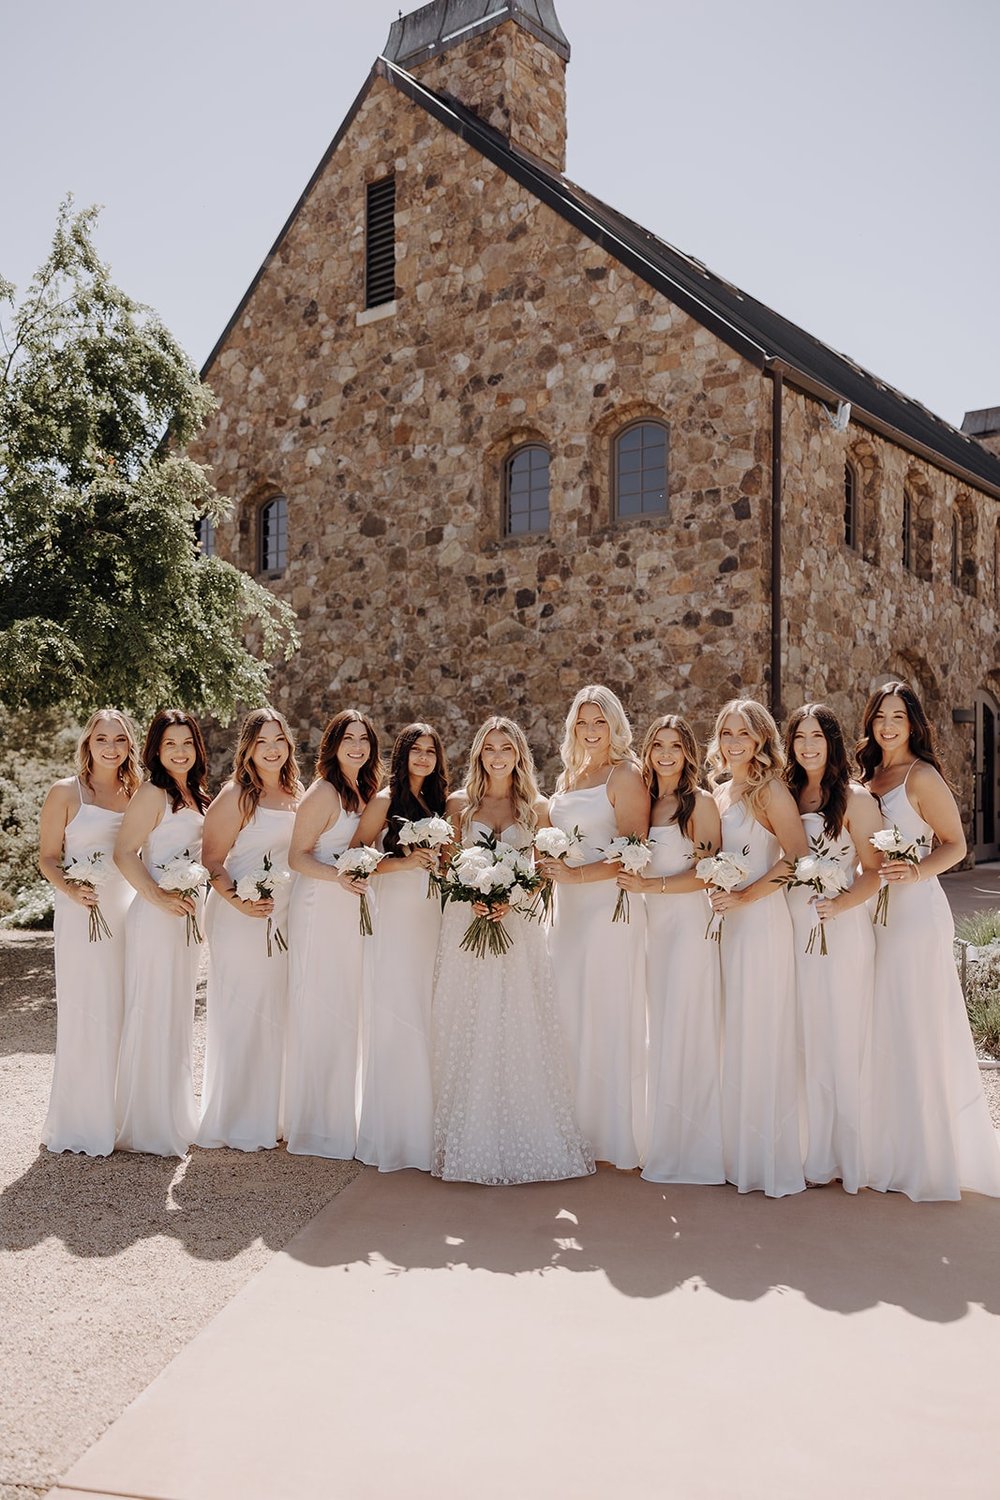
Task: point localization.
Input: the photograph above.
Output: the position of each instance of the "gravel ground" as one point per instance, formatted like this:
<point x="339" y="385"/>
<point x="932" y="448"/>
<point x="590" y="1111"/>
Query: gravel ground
<point x="108" y="1267"/>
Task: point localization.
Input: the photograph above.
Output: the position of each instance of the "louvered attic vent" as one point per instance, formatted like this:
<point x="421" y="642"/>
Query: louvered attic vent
<point x="380" y="243"/>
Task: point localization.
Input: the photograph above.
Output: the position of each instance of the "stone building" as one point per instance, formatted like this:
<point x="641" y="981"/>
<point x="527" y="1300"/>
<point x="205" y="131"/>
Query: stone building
<point x="494" y="440"/>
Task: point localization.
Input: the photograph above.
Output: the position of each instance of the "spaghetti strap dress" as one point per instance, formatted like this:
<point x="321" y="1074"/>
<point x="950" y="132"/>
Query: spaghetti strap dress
<point x="90" y="995"/>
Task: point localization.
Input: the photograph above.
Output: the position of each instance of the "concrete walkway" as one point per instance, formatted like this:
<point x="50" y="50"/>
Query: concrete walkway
<point x="973" y="890"/>
<point x="597" y="1339"/>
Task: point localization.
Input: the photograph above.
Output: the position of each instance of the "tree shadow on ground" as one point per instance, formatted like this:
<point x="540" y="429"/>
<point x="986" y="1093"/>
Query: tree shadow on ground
<point x="933" y="1260"/>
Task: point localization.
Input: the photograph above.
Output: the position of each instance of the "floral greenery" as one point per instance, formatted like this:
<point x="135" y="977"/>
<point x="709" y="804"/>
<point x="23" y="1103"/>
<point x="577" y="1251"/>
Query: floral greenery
<point x="982" y="1001"/>
<point x="103" y="595"/>
<point x="980" y="928"/>
<point x="35" y="749"/>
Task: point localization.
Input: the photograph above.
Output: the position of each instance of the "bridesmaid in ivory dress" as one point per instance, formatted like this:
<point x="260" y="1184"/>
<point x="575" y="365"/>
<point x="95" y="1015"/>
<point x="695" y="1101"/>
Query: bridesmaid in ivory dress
<point x="760" y="1064"/>
<point x="81" y="818"/>
<point x="598" y="964"/>
<point x="397" y="1107"/>
<point x="326" y="949"/>
<point x="683" y="983"/>
<point x="834" y="990"/>
<point x="930" y="1135"/>
<point x="503" y="1108"/>
<point x="249" y="822"/>
<point x="156" y="1108"/>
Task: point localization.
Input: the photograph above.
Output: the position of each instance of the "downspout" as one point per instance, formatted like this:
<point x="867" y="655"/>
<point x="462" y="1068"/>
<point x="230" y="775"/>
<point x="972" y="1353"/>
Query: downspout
<point x="777" y="392"/>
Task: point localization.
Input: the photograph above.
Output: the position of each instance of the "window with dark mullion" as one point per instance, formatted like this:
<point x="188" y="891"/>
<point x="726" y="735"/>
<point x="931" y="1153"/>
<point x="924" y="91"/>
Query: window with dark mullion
<point x="273" y="544"/>
<point x="640" y="471"/>
<point x="526" y="491"/>
<point x="380" y="242"/>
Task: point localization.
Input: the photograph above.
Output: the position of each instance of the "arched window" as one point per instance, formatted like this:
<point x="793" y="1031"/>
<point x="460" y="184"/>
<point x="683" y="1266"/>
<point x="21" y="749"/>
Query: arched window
<point x="907" y="531"/>
<point x="272" y="530"/>
<point x="204" y="530"/>
<point x="852" y="530"/>
<point x="640" y="470"/>
<point x="996" y="565"/>
<point x="526" y="490"/>
<point x="956" y="548"/>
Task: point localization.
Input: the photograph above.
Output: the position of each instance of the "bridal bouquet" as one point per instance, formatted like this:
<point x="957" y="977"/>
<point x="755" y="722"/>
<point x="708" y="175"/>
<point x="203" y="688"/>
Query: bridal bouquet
<point x="825" y="876"/>
<point x="633" y="854"/>
<point x="426" y="833"/>
<point x="891" y="845"/>
<point x="185" y="876"/>
<point x="91" y="870"/>
<point x="260" y="885"/>
<point x="725" y="871"/>
<point x="555" y="843"/>
<point x="490" y="873"/>
<point x="361" y="863"/>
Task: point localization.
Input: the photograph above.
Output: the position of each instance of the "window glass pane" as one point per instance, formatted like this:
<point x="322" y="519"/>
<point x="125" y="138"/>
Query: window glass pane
<point x="641" y="470"/>
<point x="274" y="535"/>
<point x="526" y="499"/>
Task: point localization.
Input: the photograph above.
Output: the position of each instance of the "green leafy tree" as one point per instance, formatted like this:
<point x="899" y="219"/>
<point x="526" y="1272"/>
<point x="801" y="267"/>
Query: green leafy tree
<point x="104" y="597"/>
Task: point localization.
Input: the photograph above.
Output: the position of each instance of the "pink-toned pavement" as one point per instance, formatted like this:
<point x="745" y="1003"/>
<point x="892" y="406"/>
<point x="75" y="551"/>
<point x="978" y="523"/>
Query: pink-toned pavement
<point x="596" y="1339"/>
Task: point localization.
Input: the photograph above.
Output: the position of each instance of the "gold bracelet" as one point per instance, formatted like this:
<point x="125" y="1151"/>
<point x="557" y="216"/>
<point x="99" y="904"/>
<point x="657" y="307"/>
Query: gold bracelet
<point x="663" y="885"/>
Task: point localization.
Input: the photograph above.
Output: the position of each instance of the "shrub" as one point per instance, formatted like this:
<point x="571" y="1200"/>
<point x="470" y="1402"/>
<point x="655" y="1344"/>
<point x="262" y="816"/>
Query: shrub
<point x="982" y="1001"/>
<point x="35" y="750"/>
<point x="980" y="928"/>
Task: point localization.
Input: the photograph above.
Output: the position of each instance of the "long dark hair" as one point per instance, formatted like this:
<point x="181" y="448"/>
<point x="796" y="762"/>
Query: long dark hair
<point x="868" y="752"/>
<point x="690" y="779"/>
<point x="403" y="805"/>
<point x="836" y="772"/>
<point x="158" y="773"/>
<point x="372" y="773"/>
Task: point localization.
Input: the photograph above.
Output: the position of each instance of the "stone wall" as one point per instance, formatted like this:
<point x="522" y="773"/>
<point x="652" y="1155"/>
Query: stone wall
<point x="388" y="435"/>
<point x="387" y="431"/>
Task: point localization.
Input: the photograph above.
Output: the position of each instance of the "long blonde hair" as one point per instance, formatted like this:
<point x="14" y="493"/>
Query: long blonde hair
<point x="768" y="756"/>
<point x="572" y="756"/>
<point x="524" y="791"/>
<point x="246" y="775"/>
<point x="130" y="770"/>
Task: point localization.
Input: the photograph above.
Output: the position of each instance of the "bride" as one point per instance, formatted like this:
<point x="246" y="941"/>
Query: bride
<point x="503" y="1109"/>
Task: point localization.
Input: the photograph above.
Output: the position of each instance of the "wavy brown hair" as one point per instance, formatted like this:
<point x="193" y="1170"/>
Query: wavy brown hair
<point x="158" y="773"/>
<point x="130" y="770"/>
<point x="868" y="752"/>
<point x="836" y="773"/>
<point x="372" y="773"/>
<point x="246" y="775"/>
<point x="690" y="779"/>
<point x="768" y="760"/>
<point x="524" y="791"/>
<point x="403" y="805"/>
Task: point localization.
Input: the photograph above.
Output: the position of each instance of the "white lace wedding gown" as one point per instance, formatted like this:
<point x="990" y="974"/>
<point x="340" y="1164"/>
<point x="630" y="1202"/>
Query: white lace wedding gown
<point x="247" y="998"/>
<point x="835" y="1017"/>
<point x="503" y="1107"/>
<point x="929" y="1135"/>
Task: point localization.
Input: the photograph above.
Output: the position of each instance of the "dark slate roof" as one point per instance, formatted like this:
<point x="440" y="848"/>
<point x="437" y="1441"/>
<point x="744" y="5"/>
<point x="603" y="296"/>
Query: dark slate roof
<point x="746" y="325"/>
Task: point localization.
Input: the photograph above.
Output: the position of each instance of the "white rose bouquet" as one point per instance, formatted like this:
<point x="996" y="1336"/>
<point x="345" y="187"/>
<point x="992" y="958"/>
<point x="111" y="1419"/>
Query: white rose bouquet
<point x="426" y="833"/>
<point x="891" y="845"/>
<point x="725" y="871"/>
<point x="185" y="876"/>
<point x="91" y="869"/>
<point x="260" y="885"/>
<point x="822" y="874"/>
<point x="556" y="843"/>
<point x="489" y="873"/>
<point x="362" y="863"/>
<point x="633" y="854"/>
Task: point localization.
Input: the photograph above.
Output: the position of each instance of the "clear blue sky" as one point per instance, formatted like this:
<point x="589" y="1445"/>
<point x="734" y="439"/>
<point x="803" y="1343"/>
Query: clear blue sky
<point x="838" y="161"/>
